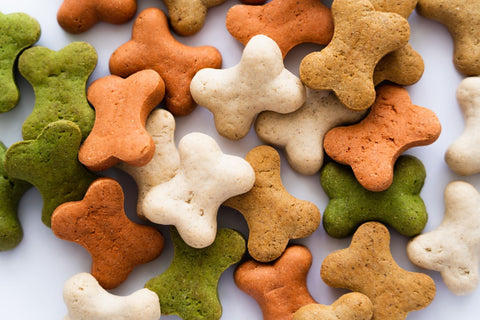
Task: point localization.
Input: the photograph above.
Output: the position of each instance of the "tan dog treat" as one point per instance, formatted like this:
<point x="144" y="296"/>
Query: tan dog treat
<point x="367" y="266"/>
<point x="165" y="162"/>
<point x="99" y="224"/>
<point x="77" y="16"/>
<point x="403" y="8"/>
<point x="121" y="110"/>
<point x="279" y="288"/>
<point x="361" y="38"/>
<point x="301" y="132"/>
<point x="461" y="19"/>
<point x="350" y="306"/>
<point x="287" y="22"/>
<point x="273" y="215"/>
<point x="258" y="82"/>
<point x="153" y="47"/>
<point x="372" y="146"/>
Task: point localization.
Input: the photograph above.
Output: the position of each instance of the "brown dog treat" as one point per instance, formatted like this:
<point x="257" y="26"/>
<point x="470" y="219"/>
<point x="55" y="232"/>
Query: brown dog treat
<point x="361" y="38"/>
<point x="273" y="215"/>
<point x="77" y="16"/>
<point x="287" y="22"/>
<point x="372" y="146"/>
<point x="121" y="107"/>
<point x="280" y="288"/>
<point x="403" y="8"/>
<point x="462" y="19"/>
<point x="153" y="47"/>
<point x="98" y="223"/>
<point x="367" y="266"/>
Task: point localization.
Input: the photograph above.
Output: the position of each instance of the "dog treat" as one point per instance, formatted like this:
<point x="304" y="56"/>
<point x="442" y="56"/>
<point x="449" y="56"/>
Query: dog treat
<point x="188" y="288"/>
<point x="59" y="76"/>
<point x="287" y="22"/>
<point x="50" y="163"/>
<point x="186" y="16"/>
<point x="273" y="215"/>
<point x="367" y="266"/>
<point x="121" y="110"/>
<point x="11" y="191"/>
<point x="153" y="47"/>
<point x="86" y="299"/>
<point x="279" y="288"/>
<point x="18" y="31"/>
<point x="190" y="200"/>
<point x="77" y="16"/>
<point x="301" y="132"/>
<point x="459" y="17"/>
<point x="361" y="38"/>
<point x="350" y="306"/>
<point x="463" y="155"/>
<point x="258" y="82"/>
<point x="165" y="162"/>
<point x="453" y="248"/>
<point x="400" y="206"/>
<point x="98" y="222"/>
<point x="372" y="146"/>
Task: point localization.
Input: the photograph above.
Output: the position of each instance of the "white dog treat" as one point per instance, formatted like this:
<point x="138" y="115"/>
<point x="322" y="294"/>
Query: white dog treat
<point x="190" y="200"/>
<point x="301" y="132"/>
<point x="87" y="300"/>
<point x="165" y="162"/>
<point x="463" y="156"/>
<point x="259" y="82"/>
<point x="453" y="248"/>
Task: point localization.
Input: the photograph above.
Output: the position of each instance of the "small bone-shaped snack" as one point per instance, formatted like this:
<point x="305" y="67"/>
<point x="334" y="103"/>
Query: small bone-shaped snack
<point x="165" y="162"/>
<point x="121" y="110"/>
<point x="367" y="266"/>
<point x="463" y="155"/>
<point x="350" y="306"/>
<point x="361" y="38"/>
<point x="257" y="83"/>
<point x="457" y="259"/>
<point x="190" y="200"/>
<point x="86" y="299"/>
<point x="372" y="146"/>
<point x="301" y="132"/>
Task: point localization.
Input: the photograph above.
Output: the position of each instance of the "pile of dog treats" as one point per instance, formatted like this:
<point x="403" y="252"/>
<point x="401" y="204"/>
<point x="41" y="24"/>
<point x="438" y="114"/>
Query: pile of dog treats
<point x="346" y="118"/>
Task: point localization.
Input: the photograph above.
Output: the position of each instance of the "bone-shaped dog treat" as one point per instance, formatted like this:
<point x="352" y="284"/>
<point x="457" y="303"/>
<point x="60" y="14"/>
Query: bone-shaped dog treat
<point x="258" y="82"/>
<point x="361" y="38"/>
<point x="372" y="146"/>
<point x="86" y="299"/>
<point x="457" y="259"/>
<point x="367" y="266"/>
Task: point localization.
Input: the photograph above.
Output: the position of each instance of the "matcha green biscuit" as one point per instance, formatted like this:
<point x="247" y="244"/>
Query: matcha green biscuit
<point x="11" y="191"/>
<point x="400" y="206"/>
<point x="17" y="32"/>
<point x="59" y="79"/>
<point x="188" y="288"/>
<point x="50" y="163"/>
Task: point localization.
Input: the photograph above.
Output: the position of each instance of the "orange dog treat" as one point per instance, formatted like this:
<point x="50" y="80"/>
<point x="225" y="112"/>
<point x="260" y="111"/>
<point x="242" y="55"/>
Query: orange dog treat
<point x="372" y="146"/>
<point x="121" y="107"/>
<point x="77" y="16"/>
<point x="98" y="223"/>
<point x="280" y="288"/>
<point x="153" y="47"/>
<point x="287" y="22"/>
<point x="367" y="266"/>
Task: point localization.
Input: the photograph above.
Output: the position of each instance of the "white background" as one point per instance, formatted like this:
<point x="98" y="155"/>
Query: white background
<point x="32" y="275"/>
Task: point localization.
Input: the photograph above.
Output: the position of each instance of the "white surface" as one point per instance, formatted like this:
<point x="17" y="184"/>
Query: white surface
<point x="32" y="275"/>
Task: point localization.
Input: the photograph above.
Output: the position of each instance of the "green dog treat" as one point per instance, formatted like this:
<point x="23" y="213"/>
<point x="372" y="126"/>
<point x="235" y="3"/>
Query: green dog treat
<point x="50" y="163"/>
<point x="11" y="191"/>
<point x="188" y="288"/>
<point x="17" y="32"/>
<point x="350" y="204"/>
<point x="59" y="79"/>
